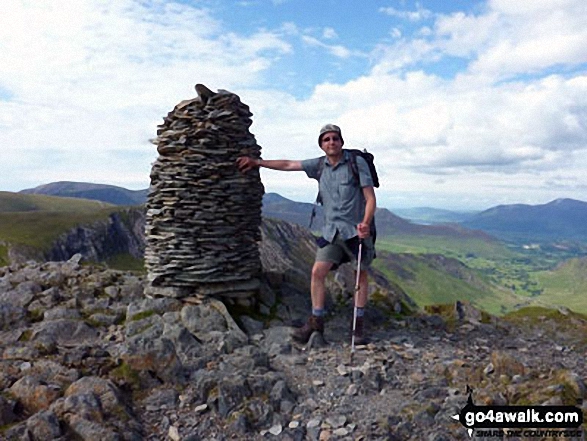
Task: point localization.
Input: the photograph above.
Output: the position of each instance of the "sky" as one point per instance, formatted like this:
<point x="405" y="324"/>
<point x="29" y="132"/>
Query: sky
<point x="465" y="104"/>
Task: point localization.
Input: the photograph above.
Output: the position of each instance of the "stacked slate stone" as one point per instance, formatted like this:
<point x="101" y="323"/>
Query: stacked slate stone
<point x="204" y="215"/>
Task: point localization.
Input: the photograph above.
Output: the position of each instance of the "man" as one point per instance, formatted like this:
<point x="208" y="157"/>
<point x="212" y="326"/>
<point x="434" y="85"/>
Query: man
<point x="349" y="207"/>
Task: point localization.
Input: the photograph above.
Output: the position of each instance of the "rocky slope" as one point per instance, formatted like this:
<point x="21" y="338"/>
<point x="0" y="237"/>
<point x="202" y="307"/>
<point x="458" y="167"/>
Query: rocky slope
<point x="85" y="355"/>
<point x="122" y="233"/>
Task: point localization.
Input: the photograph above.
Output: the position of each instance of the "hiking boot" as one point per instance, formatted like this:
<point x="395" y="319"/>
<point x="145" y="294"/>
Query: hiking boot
<point x="360" y="335"/>
<point x="314" y="324"/>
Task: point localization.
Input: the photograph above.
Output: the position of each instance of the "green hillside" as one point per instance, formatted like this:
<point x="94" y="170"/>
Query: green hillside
<point x="36" y="221"/>
<point x="19" y="202"/>
<point x="431" y="279"/>
<point x="566" y="285"/>
<point x="462" y="248"/>
<point x="496" y="277"/>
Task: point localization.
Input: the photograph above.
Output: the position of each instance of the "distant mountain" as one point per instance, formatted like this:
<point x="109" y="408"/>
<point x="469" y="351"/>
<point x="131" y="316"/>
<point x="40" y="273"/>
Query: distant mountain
<point x="428" y="215"/>
<point x="557" y="220"/>
<point x="98" y="192"/>
<point x="278" y="207"/>
<point x="388" y="224"/>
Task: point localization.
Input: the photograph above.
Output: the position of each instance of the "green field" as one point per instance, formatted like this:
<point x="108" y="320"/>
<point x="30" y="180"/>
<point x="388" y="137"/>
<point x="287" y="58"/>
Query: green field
<point x="449" y="246"/>
<point x="40" y="229"/>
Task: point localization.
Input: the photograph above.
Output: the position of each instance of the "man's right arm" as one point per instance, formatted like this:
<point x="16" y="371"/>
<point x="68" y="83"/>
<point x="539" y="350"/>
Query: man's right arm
<point x="245" y="164"/>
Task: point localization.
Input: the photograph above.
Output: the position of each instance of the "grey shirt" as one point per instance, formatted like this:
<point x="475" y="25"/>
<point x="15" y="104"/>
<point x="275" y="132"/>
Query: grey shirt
<point x="342" y="198"/>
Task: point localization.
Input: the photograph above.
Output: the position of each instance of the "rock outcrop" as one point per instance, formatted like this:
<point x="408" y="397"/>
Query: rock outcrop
<point x="122" y="233"/>
<point x="203" y="215"/>
<point x="85" y="356"/>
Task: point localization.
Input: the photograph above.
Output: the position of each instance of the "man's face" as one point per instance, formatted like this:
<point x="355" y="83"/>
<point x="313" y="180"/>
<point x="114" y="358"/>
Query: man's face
<point x="331" y="144"/>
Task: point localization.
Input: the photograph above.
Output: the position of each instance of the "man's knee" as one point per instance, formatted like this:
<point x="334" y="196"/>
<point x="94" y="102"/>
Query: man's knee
<point x="320" y="270"/>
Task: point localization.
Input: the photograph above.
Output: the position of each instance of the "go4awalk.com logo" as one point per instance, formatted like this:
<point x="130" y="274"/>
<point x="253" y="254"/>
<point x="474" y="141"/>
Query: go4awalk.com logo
<point x="529" y="421"/>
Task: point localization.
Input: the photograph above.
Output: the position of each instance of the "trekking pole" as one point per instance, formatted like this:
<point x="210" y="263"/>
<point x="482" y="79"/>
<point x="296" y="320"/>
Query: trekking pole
<point x="356" y="298"/>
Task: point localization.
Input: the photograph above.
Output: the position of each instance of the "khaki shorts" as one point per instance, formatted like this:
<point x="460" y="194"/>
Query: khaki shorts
<point x="339" y="252"/>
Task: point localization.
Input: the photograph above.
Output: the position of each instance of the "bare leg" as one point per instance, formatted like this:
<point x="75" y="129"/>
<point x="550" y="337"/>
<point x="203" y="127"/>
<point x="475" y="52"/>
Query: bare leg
<point x="363" y="289"/>
<point x="318" y="288"/>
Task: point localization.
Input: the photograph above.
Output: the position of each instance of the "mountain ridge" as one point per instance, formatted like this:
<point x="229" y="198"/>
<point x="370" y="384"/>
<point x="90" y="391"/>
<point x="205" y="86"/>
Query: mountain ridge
<point x="562" y="218"/>
<point x="388" y="223"/>
<point x="520" y="220"/>
<point x="85" y="190"/>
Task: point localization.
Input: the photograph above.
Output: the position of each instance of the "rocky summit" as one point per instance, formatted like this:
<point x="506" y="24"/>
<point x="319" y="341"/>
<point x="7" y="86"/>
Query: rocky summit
<point x="86" y="356"/>
<point x="203" y="215"/>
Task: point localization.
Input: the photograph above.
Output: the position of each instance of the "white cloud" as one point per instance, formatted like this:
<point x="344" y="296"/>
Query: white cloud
<point x="89" y="81"/>
<point x="503" y="140"/>
<point x="517" y="37"/>
<point x="329" y="34"/>
<point x="87" y="75"/>
<point x="402" y="55"/>
<point x="338" y="51"/>
<point x="420" y="13"/>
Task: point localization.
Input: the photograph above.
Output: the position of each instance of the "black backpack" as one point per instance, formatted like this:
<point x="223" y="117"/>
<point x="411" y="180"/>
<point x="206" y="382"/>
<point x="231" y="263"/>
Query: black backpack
<point x="370" y="159"/>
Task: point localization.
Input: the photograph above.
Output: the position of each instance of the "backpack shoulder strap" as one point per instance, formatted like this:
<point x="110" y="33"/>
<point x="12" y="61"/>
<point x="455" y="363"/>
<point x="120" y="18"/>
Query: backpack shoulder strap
<point x="320" y="170"/>
<point x="321" y="167"/>
<point x="319" y="195"/>
<point x="353" y="164"/>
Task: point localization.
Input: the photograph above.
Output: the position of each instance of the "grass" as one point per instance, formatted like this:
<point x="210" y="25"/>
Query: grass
<point x="537" y="314"/>
<point x="540" y="316"/>
<point x="566" y="285"/>
<point x="460" y="248"/>
<point x="126" y="262"/>
<point x="37" y="220"/>
<point x="142" y="315"/>
<point x="4" y="260"/>
<point x="126" y="373"/>
<point x="504" y="277"/>
<point x="429" y="284"/>
<point x="19" y="203"/>
<point x="40" y="229"/>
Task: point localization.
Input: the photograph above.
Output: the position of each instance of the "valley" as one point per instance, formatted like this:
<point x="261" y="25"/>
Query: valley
<point x="496" y="277"/>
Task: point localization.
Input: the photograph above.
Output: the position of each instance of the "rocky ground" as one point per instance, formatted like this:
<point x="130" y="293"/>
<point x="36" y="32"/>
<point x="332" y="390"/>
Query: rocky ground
<point x="86" y="356"/>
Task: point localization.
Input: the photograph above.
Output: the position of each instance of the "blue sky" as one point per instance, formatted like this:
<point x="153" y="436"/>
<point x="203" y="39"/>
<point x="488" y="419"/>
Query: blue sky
<point x="465" y="104"/>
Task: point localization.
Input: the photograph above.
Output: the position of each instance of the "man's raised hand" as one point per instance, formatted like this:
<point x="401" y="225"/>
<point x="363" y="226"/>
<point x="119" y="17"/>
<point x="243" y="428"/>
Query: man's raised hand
<point x="245" y="163"/>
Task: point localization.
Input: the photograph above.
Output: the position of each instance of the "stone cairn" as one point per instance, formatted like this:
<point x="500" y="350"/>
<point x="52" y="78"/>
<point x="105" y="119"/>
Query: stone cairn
<point x="203" y="215"/>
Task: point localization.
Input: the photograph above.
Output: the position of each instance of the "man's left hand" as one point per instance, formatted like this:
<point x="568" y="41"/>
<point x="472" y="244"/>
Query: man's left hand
<point x="363" y="230"/>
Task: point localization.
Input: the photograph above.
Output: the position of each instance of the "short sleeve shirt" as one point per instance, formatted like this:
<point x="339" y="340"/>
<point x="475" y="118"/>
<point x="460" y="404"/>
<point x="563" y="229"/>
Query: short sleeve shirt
<point x="342" y="198"/>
